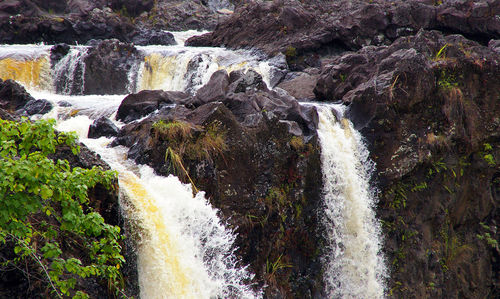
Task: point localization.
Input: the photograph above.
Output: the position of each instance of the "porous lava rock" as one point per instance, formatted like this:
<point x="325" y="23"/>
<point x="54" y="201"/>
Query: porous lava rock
<point x="428" y="106"/>
<point x="107" y="66"/>
<point x="102" y="126"/>
<point x="137" y="105"/>
<point x="265" y="180"/>
<point x="305" y="29"/>
<point x="13" y="96"/>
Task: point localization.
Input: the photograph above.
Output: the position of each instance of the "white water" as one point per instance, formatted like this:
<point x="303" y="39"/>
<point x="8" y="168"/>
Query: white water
<point x="354" y="265"/>
<point x="184" y="251"/>
<point x="176" y="68"/>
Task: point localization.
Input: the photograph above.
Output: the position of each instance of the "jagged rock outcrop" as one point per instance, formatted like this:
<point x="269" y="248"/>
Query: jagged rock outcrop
<point x="429" y="105"/>
<point x="137" y="105"/>
<point x="102" y="126"/>
<point x="33" y="107"/>
<point x="13" y="96"/>
<point x="79" y="21"/>
<point x="107" y="65"/>
<point x="305" y="30"/>
<point x="263" y="177"/>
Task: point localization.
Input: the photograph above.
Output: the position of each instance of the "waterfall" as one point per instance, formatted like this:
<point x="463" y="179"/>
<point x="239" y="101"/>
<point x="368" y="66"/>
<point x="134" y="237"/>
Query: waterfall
<point x="354" y="265"/>
<point x="69" y="72"/>
<point x="175" y="68"/>
<point x="184" y="250"/>
<point x="28" y="65"/>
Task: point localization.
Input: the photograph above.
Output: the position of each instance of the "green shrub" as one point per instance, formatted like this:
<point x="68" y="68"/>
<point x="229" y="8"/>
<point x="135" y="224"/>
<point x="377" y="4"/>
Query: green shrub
<point x="45" y="213"/>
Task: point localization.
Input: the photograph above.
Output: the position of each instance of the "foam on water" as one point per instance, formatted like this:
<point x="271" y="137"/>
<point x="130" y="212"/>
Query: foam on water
<point x="354" y="264"/>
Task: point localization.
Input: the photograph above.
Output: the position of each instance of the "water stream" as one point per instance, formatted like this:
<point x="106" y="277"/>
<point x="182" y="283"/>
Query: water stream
<point x="354" y="261"/>
<point x="184" y="250"/>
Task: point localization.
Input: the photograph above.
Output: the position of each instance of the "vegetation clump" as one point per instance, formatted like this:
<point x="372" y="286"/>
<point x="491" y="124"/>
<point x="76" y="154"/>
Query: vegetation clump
<point x="46" y="216"/>
<point x="188" y="141"/>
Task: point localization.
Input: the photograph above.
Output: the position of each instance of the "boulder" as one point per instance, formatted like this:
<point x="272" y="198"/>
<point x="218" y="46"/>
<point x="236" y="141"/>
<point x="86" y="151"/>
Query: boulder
<point x="140" y="104"/>
<point x="214" y="90"/>
<point x="13" y="96"/>
<point x="57" y="52"/>
<point x="153" y="37"/>
<point x="107" y="66"/>
<point x="132" y="8"/>
<point x="33" y="107"/>
<point x="102" y="126"/>
<point x="301" y="86"/>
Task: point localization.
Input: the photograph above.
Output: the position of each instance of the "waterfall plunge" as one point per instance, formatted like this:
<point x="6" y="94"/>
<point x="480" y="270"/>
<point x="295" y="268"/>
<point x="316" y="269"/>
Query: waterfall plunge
<point x="354" y="266"/>
<point x="185" y="251"/>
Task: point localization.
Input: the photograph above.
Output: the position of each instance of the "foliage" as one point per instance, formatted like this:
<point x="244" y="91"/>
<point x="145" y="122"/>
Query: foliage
<point x="186" y="140"/>
<point x="487" y="155"/>
<point x="45" y="212"/>
<point x="453" y="248"/>
<point x="441" y="54"/>
<point x="487" y="236"/>
<point x="447" y="80"/>
<point x="398" y="196"/>
<point x="297" y="143"/>
<point x="272" y="267"/>
<point x="291" y="52"/>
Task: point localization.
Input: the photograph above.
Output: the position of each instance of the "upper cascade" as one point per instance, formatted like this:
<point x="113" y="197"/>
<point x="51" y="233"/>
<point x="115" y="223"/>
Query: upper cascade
<point x="112" y="67"/>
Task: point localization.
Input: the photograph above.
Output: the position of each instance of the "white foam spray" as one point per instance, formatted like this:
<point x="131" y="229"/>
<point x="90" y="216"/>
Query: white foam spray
<point x="354" y="265"/>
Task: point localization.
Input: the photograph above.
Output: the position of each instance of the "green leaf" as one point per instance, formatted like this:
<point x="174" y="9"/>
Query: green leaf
<point x="46" y="192"/>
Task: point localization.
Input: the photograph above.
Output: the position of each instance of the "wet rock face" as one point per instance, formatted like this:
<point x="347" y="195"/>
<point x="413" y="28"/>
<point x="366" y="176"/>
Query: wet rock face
<point x="441" y="77"/>
<point x="428" y="107"/>
<point x="107" y="66"/>
<point x="33" y="107"/>
<point x="140" y="104"/>
<point x="132" y="8"/>
<point x="301" y="27"/>
<point x="102" y="126"/>
<point x="264" y="180"/>
<point x="153" y="37"/>
<point x="13" y="96"/>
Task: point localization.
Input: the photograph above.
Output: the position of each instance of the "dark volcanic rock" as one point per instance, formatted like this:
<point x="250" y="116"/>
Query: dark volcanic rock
<point x="300" y="27"/>
<point x="83" y="24"/>
<point x="107" y="66"/>
<point x="33" y="107"/>
<point x="428" y="106"/>
<point x="140" y="104"/>
<point x="302" y="85"/>
<point x="267" y="169"/>
<point x="153" y="37"/>
<point x="179" y="15"/>
<point x="214" y="90"/>
<point x="57" y="52"/>
<point x="132" y="8"/>
<point x="265" y="182"/>
<point x="102" y="127"/>
<point x="13" y="96"/>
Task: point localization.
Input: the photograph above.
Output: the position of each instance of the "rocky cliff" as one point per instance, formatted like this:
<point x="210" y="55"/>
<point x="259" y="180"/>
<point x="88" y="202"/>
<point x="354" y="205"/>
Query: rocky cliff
<point x="421" y="82"/>
<point x="421" y="79"/>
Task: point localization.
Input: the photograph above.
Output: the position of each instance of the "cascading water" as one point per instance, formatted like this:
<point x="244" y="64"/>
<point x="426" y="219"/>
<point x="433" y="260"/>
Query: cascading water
<point x="175" y="68"/>
<point x="184" y="250"/>
<point x="354" y="265"/>
<point x="69" y="72"/>
<point x="28" y="65"/>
